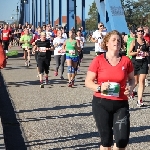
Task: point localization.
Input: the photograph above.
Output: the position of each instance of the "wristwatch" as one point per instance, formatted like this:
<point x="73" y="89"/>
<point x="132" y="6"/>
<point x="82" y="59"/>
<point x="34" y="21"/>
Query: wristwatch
<point x="99" y="89"/>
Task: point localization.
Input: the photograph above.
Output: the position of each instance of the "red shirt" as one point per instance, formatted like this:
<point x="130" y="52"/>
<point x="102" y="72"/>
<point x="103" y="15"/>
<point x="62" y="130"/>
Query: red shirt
<point x="35" y="38"/>
<point x="22" y="33"/>
<point x="147" y="38"/>
<point x="6" y="34"/>
<point x="105" y="72"/>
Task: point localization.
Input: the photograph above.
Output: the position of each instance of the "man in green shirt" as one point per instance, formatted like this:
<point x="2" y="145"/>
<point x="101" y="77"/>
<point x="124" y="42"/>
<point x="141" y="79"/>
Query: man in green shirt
<point x="26" y="45"/>
<point x="129" y="38"/>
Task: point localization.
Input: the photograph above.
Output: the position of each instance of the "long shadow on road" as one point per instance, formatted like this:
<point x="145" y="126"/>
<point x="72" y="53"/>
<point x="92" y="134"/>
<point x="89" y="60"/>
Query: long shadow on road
<point x="13" y="136"/>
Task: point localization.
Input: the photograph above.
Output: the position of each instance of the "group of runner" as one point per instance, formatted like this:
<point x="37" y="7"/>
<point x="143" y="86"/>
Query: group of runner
<point x="42" y="42"/>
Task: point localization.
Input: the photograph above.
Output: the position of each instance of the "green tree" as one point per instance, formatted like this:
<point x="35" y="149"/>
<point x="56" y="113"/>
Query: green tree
<point x="91" y="23"/>
<point x="136" y="12"/>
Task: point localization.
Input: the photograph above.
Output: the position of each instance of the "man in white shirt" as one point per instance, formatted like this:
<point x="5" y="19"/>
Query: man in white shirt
<point x="97" y="38"/>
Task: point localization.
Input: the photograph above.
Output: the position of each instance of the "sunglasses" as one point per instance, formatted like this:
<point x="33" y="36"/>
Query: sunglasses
<point x="101" y="25"/>
<point x="140" y="31"/>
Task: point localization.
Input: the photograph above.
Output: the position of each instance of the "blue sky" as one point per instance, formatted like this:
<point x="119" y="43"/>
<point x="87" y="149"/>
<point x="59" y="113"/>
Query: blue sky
<point x="11" y="5"/>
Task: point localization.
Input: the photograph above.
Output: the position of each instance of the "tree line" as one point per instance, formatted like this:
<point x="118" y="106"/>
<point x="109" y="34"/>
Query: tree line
<point x="136" y="13"/>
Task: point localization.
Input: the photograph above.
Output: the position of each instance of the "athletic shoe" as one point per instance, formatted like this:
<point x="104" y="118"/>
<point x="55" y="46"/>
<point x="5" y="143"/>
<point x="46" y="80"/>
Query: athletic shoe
<point x="26" y="64"/>
<point x="56" y="73"/>
<point x="140" y="103"/>
<point x="146" y="82"/>
<point x="46" y="81"/>
<point x="42" y="85"/>
<point x="70" y="84"/>
<point x="61" y="77"/>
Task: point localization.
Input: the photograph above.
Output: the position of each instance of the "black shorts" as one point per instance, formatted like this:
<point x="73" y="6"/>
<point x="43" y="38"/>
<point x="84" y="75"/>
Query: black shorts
<point x="26" y="50"/>
<point x="43" y="65"/>
<point x="112" y="117"/>
<point x="140" y="66"/>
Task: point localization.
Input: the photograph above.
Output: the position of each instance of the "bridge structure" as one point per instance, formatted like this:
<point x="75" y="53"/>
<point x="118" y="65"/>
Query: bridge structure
<point x="109" y="12"/>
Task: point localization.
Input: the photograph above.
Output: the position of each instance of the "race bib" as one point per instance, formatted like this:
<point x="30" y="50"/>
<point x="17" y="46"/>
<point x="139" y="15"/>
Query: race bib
<point x="42" y="49"/>
<point x="140" y="55"/>
<point x="72" y="52"/>
<point x="113" y="90"/>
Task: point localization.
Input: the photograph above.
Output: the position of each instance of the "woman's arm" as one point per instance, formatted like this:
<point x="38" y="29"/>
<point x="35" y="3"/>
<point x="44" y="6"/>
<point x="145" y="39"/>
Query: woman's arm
<point x="64" y="45"/>
<point x="78" y="47"/>
<point x="131" y="80"/>
<point x="131" y="53"/>
<point x="89" y="81"/>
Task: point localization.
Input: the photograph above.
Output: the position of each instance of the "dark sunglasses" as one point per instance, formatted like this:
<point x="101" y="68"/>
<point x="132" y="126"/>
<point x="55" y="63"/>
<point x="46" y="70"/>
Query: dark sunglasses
<point x="140" y="31"/>
<point x="101" y="25"/>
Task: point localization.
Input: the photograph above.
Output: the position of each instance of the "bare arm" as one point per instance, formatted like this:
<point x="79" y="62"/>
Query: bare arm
<point x="89" y="81"/>
<point x="125" y="38"/>
<point x="78" y="47"/>
<point x="64" y="45"/>
<point x="131" y="53"/>
<point x="131" y="80"/>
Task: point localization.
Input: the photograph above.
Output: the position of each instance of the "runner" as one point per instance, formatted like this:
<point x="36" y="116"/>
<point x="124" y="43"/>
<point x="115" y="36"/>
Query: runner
<point x="97" y="38"/>
<point x="72" y="47"/>
<point x="44" y="56"/>
<point x="59" y="54"/>
<point x="5" y="37"/>
<point x="139" y="50"/>
<point x="81" y="40"/>
<point x="128" y="39"/>
<point x="110" y="101"/>
<point x="34" y="39"/>
<point x="27" y="47"/>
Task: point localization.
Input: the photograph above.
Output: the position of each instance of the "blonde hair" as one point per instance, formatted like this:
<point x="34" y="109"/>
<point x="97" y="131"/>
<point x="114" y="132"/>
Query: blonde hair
<point x="43" y="33"/>
<point x="107" y="37"/>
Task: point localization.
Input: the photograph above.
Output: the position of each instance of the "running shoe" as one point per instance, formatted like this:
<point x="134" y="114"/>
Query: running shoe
<point x="26" y="64"/>
<point x="46" y="81"/>
<point x="140" y="103"/>
<point x="56" y="73"/>
<point x="42" y="85"/>
<point x="70" y="84"/>
<point x="132" y="95"/>
<point x="61" y="77"/>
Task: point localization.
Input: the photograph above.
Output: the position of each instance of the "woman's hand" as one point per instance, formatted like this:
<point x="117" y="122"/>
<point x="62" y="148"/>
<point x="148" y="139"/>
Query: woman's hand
<point x="105" y="86"/>
<point x="139" y="49"/>
<point x="128" y="91"/>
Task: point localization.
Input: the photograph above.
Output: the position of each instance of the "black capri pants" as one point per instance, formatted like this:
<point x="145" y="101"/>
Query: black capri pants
<point x="36" y="57"/>
<point x="112" y="117"/>
<point x="43" y="65"/>
<point x="5" y="44"/>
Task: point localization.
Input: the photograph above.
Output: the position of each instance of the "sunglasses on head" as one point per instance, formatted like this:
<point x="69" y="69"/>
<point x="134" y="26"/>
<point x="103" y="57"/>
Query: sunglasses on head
<point x="140" y="31"/>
